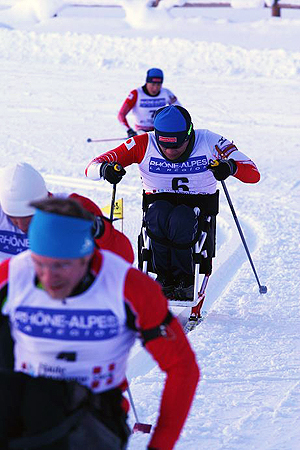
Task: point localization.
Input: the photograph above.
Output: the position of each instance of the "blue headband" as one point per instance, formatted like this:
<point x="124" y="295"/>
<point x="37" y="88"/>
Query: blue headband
<point x="60" y="236"/>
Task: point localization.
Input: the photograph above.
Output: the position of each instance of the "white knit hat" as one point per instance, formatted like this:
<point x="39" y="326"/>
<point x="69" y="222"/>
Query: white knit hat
<point x="20" y="184"/>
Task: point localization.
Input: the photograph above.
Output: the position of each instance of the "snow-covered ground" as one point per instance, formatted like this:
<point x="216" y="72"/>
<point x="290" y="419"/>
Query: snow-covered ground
<point x="237" y="71"/>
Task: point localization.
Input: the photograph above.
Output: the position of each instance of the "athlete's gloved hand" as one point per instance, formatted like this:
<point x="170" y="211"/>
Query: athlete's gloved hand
<point x="98" y="227"/>
<point x="112" y="172"/>
<point x="131" y="132"/>
<point x="222" y="168"/>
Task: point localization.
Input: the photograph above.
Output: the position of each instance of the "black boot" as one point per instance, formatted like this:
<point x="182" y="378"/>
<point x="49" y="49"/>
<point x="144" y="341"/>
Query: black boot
<point x="184" y="289"/>
<point x="167" y="285"/>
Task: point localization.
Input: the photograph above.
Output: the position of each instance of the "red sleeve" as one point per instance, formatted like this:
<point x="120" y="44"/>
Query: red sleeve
<point x="4" y="269"/>
<point x="116" y="242"/>
<point x="130" y="152"/>
<point x="172" y="353"/>
<point x="126" y="107"/>
<point x="4" y="266"/>
<point x="87" y="204"/>
<point x="247" y="172"/>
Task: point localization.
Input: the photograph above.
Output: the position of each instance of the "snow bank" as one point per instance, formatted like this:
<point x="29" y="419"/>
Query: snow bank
<point x="33" y="11"/>
<point x="140" y="16"/>
<point x="116" y="52"/>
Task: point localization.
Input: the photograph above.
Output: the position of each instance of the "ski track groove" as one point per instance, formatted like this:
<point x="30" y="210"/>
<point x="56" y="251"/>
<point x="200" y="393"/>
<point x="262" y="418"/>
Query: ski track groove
<point x="84" y="183"/>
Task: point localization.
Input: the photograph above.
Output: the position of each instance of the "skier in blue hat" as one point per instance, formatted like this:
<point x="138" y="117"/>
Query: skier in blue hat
<point x="75" y="312"/>
<point x="179" y="168"/>
<point x="144" y="101"/>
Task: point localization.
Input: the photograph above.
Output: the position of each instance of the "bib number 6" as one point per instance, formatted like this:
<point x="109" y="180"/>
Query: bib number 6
<point x="177" y="187"/>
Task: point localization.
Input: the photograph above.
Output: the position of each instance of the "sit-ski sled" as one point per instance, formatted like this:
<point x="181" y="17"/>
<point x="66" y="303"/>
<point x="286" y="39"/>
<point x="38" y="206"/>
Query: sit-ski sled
<point x="202" y="262"/>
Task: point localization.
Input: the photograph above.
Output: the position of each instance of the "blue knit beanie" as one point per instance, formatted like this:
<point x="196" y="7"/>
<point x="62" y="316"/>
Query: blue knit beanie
<point x="155" y="76"/>
<point x="172" y="125"/>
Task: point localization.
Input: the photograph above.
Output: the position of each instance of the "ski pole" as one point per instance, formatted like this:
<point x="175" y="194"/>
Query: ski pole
<point x="262" y="289"/>
<point x="117" y="168"/>
<point x="112" y="205"/>
<point x="138" y="426"/>
<point x="106" y="140"/>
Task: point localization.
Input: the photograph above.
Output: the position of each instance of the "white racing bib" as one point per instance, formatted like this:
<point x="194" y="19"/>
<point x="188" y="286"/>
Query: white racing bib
<point x="84" y="338"/>
<point x="187" y="177"/>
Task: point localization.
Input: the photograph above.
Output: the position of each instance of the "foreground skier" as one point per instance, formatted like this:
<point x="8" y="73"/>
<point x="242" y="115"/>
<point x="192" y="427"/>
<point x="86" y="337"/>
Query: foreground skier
<point x="75" y="313"/>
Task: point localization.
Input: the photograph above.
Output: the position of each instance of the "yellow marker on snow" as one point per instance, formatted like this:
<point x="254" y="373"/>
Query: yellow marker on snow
<point x="118" y="209"/>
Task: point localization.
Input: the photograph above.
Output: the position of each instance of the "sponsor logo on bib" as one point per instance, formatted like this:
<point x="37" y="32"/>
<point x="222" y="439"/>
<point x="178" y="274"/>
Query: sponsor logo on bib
<point x="71" y="325"/>
<point x="13" y="243"/>
<point x="192" y="165"/>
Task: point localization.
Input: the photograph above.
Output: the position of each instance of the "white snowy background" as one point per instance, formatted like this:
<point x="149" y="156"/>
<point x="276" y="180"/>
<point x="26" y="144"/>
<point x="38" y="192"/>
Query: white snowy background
<point x="237" y="70"/>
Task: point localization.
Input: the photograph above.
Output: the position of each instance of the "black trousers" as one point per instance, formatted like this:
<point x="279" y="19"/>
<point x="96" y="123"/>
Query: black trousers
<point x="6" y="345"/>
<point x="178" y="224"/>
<point x="32" y="406"/>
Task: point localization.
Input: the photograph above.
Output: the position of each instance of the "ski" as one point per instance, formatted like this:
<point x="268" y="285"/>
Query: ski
<point x="197" y="316"/>
<point x="193" y="322"/>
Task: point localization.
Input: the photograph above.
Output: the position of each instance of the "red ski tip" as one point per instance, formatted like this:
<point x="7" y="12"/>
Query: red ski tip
<point x="143" y="427"/>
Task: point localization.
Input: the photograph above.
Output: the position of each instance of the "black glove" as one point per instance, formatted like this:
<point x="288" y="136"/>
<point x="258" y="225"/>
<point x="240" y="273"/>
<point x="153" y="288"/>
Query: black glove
<point x="112" y="172"/>
<point x="131" y="132"/>
<point x="222" y="168"/>
<point x="98" y="227"/>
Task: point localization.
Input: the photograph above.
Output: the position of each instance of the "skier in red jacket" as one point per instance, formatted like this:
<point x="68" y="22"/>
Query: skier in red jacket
<point x="144" y="101"/>
<point x="75" y="312"/>
<point x="21" y="184"/>
<point x="178" y="166"/>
